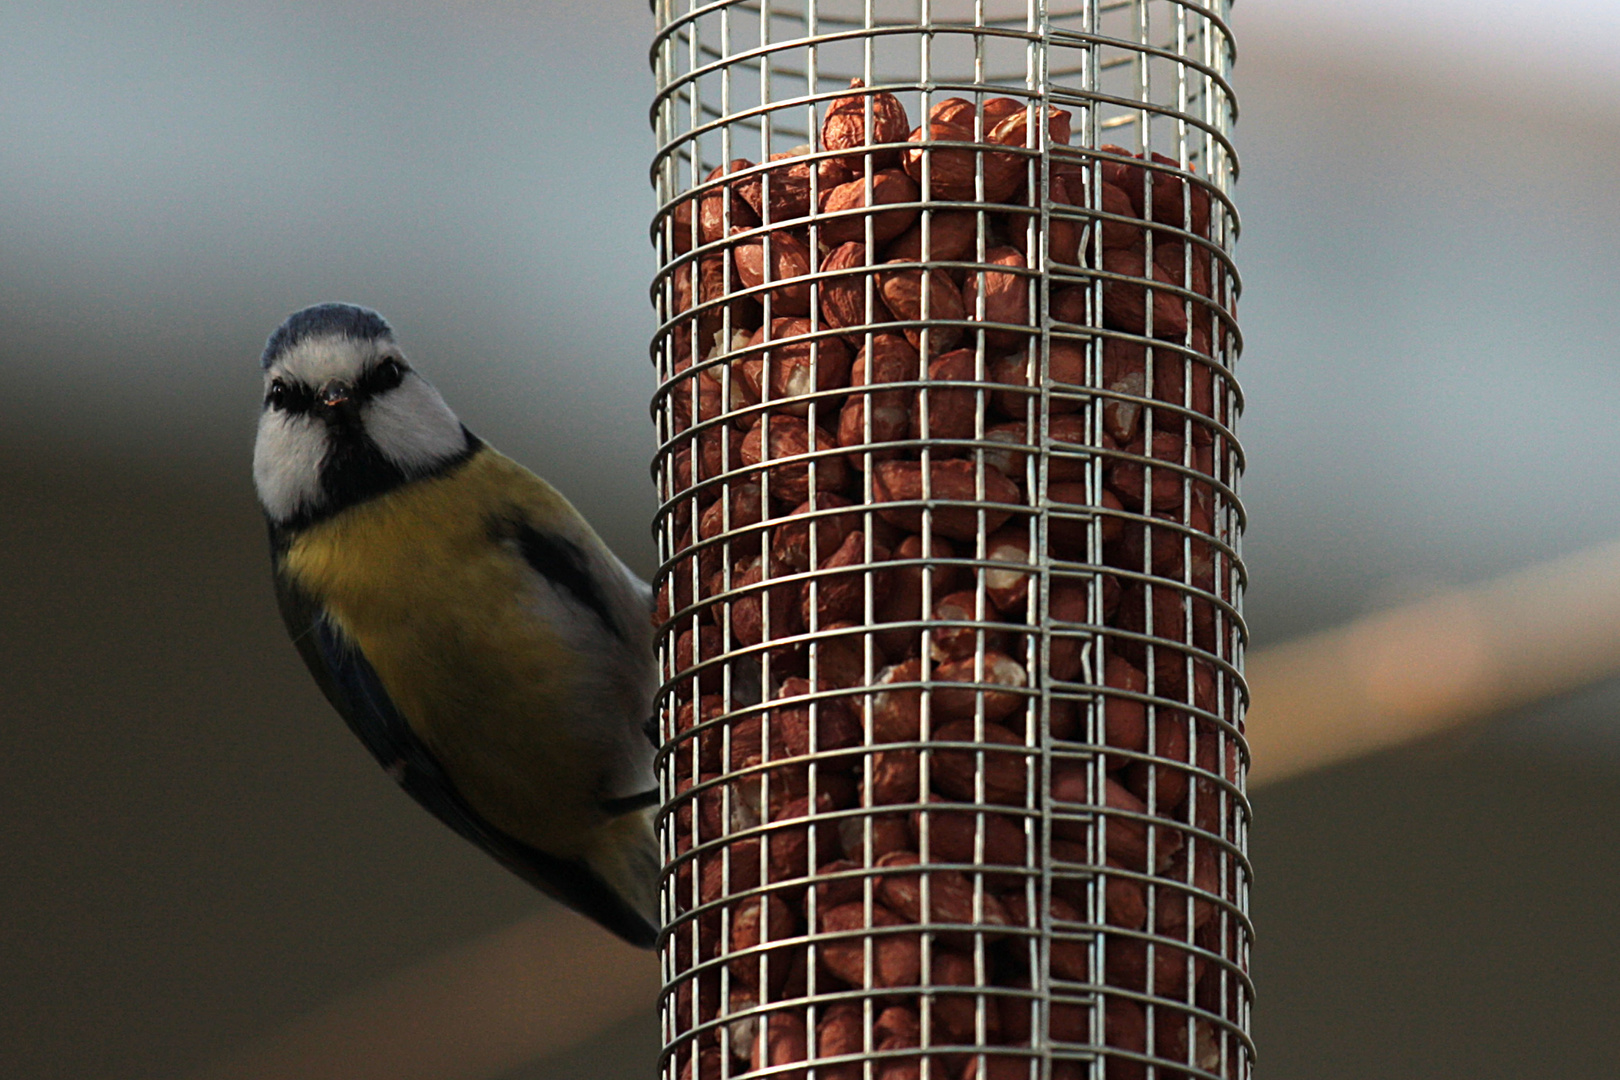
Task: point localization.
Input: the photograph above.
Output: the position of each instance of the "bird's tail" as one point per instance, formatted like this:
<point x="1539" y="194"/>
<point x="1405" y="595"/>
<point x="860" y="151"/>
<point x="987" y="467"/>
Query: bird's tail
<point x="624" y="855"/>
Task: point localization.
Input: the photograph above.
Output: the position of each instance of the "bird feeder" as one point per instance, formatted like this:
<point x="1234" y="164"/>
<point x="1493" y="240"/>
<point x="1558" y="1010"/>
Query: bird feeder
<point x="951" y="724"/>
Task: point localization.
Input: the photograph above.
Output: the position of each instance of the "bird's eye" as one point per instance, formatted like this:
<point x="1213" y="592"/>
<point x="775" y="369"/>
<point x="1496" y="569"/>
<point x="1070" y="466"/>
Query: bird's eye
<point x="277" y="395"/>
<point x="392" y="372"/>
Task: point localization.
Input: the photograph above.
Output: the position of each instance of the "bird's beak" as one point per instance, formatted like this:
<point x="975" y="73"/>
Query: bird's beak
<point x="336" y="394"/>
<point x="336" y="404"/>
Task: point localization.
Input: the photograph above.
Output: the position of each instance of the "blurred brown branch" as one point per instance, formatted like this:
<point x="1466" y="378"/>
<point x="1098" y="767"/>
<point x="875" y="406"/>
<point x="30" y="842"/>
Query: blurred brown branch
<point x="1452" y="658"/>
<point x="478" y="1010"/>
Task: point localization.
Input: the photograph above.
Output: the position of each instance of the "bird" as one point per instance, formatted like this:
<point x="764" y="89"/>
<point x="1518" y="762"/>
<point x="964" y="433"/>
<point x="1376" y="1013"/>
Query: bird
<point x="462" y="617"/>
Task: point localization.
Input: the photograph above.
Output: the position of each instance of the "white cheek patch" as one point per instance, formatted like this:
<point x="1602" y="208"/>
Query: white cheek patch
<point x="412" y="425"/>
<point x="287" y="462"/>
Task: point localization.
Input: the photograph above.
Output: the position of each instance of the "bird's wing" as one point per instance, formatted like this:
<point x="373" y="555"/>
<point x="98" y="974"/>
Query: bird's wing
<point x="605" y="612"/>
<point x="352" y="686"/>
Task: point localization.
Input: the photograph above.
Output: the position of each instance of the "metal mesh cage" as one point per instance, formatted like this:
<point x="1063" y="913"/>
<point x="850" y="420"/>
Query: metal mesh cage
<point x="952" y="751"/>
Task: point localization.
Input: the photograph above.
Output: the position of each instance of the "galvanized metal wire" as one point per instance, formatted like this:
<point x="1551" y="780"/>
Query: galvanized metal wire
<point x="951" y="594"/>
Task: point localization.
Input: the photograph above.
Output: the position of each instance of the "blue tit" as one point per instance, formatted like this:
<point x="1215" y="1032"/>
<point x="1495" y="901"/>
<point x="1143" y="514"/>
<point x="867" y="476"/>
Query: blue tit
<point x="467" y="623"/>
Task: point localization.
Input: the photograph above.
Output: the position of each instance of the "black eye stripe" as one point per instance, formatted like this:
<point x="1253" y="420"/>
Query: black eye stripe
<point x="289" y="397"/>
<point x="384" y="376"/>
<point x="293" y="397"/>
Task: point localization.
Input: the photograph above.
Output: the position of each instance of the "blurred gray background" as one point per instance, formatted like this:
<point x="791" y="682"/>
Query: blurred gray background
<point x="195" y="852"/>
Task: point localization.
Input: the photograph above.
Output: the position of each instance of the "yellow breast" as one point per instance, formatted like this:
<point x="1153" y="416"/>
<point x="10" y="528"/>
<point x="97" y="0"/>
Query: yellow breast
<point x="419" y="581"/>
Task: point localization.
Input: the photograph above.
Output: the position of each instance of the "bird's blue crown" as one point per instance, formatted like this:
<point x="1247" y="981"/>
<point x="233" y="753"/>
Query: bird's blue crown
<point x="325" y="320"/>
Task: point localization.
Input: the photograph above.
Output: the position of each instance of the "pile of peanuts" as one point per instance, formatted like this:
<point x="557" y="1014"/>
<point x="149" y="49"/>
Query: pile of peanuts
<point x="854" y="723"/>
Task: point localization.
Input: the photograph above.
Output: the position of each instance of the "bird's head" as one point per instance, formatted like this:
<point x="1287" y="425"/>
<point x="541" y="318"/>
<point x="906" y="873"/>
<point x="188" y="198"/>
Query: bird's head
<point x="345" y="417"/>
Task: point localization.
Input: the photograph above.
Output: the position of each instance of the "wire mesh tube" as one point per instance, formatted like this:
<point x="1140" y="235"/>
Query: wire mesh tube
<point x="952" y="744"/>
